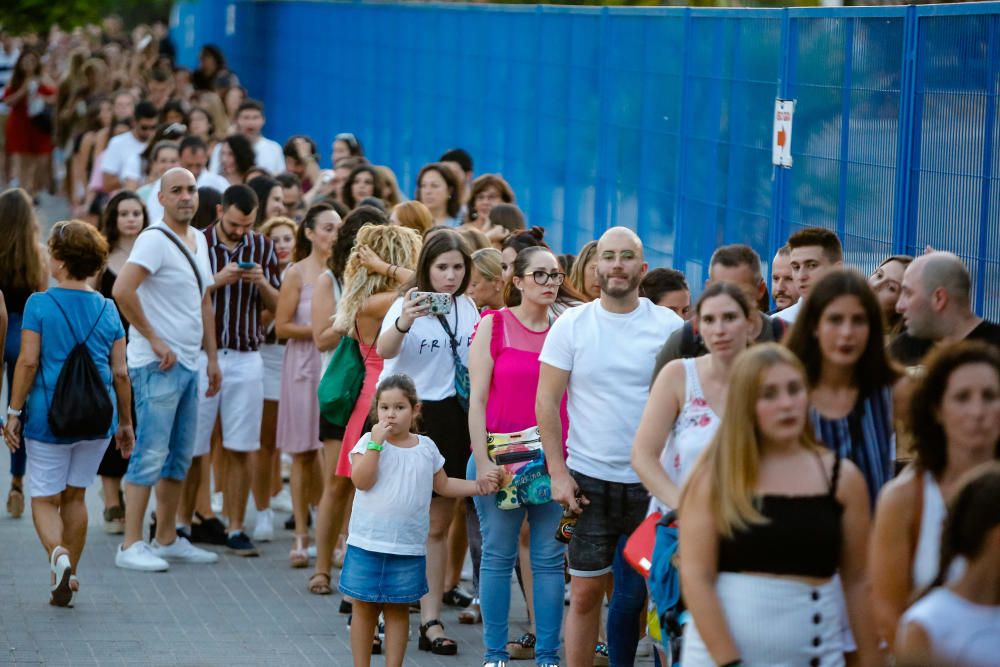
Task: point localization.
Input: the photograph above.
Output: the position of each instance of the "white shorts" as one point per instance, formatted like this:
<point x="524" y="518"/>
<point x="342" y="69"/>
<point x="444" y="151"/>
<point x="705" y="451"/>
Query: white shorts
<point x="274" y="358"/>
<point x="54" y="467"/>
<point x="240" y="401"/>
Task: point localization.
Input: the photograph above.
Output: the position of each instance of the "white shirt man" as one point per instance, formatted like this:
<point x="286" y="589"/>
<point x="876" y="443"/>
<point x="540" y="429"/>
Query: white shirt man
<point x="268" y="154"/>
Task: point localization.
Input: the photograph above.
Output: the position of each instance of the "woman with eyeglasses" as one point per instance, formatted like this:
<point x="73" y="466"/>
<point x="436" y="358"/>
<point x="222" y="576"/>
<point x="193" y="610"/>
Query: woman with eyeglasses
<point x="503" y="369"/>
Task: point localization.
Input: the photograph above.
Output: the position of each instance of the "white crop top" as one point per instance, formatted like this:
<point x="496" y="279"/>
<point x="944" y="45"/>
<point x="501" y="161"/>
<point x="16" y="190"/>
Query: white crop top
<point x="960" y="632"/>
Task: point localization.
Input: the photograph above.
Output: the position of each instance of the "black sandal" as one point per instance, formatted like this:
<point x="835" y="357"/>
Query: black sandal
<point x="522" y="648"/>
<point x="439" y="646"/>
<point x="456" y="597"/>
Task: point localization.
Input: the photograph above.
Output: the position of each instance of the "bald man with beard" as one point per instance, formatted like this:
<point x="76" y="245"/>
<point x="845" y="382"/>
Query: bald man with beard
<point x="163" y="292"/>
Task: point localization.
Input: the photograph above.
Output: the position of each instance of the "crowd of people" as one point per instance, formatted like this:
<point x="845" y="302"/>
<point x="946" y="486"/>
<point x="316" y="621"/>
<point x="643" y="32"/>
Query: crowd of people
<point x="439" y="381"/>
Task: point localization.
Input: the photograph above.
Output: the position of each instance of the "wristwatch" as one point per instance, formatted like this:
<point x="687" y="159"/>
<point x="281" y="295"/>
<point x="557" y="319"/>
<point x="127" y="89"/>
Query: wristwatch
<point x="373" y="446"/>
<point x="11" y="412"/>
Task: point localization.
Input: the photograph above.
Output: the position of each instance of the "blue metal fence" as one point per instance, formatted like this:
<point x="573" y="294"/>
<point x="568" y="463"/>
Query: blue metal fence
<point x="657" y="118"/>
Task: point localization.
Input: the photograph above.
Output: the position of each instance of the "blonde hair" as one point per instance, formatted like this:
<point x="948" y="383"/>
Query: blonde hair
<point x="488" y="262"/>
<point x="414" y="215"/>
<point x="732" y="459"/>
<point x="212" y="104"/>
<point x="577" y="275"/>
<point x="278" y="221"/>
<point x="398" y="246"/>
<point x="474" y="239"/>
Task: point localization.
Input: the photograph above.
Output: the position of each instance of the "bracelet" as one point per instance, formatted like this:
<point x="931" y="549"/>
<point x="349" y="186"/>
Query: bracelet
<point x="11" y="412"/>
<point x="391" y="271"/>
<point x="402" y="331"/>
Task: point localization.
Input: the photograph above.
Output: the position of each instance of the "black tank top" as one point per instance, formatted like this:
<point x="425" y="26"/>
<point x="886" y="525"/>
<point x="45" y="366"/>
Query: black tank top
<point x="802" y="536"/>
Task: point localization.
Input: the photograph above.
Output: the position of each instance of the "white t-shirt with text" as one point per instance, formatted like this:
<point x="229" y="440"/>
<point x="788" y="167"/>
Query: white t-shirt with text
<point x="426" y="351"/>
<point x="169" y="296"/>
<point x="393" y="517"/>
<point x="610" y="357"/>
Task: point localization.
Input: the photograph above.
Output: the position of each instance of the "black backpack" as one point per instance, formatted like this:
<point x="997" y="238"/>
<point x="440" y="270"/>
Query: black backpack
<point x="81" y="407"/>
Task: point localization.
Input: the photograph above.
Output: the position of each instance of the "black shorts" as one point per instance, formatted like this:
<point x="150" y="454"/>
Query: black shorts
<point x="615" y="509"/>
<point x="328" y="431"/>
<point x="447" y="424"/>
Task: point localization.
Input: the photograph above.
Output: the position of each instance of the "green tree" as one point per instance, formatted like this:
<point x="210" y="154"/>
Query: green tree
<point x="39" y="15"/>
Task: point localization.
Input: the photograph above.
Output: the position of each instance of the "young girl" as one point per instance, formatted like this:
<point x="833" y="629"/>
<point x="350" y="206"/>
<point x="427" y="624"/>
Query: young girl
<point x="394" y="471"/>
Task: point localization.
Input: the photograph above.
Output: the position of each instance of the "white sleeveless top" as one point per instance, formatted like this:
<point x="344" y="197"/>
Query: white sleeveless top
<point x="928" y="553"/>
<point x="692" y="431"/>
<point x="960" y="632"/>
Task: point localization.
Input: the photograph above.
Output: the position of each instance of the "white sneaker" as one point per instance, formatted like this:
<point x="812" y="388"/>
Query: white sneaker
<point x="263" y="530"/>
<point x="217" y="502"/>
<point x="311" y="550"/>
<point x="182" y="551"/>
<point x="283" y="501"/>
<point x="140" y="557"/>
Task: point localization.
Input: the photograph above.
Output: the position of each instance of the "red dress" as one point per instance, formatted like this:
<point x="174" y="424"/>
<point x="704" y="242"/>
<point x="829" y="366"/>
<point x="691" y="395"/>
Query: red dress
<point x="23" y="136"/>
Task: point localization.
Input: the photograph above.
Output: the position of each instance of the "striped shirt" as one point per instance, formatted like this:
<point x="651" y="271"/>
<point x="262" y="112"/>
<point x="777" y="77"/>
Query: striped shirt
<point x="866" y="436"/>
<point x="238" y="305"/>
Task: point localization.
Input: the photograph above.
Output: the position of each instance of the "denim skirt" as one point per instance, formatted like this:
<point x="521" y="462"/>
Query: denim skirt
<point x="371" y="576"/>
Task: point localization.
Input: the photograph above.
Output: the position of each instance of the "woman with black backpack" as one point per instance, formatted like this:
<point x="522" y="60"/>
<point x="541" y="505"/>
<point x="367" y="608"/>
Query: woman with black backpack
<point x="72" y="364"/>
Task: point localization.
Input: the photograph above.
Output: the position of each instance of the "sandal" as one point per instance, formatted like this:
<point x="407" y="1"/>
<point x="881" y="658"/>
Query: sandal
<point x="299" y="555"/>
<point x="319" y="584"/>
<point x="439" y="646"/>
<point x="601" y="658"/>
<point x="15" y="502"/>
<point x="62" y="572"/>
<point x="471" y="616"/>
<point x="523" y="648"/>
<point x="457" y="597"/>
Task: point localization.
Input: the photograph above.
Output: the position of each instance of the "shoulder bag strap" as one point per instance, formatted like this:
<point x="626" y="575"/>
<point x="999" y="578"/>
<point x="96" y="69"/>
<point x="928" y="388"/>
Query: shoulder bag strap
<point x="187" y="254"/>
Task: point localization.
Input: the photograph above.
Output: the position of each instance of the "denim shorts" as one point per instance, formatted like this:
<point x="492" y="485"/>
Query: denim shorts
<point x="615" y="509"/>
<point x="166" y="417"/>
<point x="371" y="576"/>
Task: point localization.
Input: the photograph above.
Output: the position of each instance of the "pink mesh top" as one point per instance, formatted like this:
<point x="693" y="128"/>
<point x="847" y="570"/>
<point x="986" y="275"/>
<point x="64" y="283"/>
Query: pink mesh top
<point x="515" y="349"/>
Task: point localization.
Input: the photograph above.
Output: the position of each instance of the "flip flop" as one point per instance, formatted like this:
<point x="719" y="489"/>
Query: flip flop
<point x="61" y="569"/>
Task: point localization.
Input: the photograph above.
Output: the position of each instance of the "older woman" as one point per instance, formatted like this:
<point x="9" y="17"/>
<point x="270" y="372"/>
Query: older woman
<point x="64" y="465"/>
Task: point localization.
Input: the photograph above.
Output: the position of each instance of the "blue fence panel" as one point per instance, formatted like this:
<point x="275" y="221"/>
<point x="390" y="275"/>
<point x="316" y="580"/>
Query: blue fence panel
<point x="658" y="119"/>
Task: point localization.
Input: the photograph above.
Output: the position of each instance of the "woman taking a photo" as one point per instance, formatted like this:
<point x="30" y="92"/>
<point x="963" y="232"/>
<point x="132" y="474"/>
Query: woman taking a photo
<point x="955" y="422"/>
<point x="767" y="519"/>
<point x="838" y="338"/>
<point x="22" y="272"/>
<point x="62" y="467"/>
<point x="504" y="366"/>
<point x="298" y="410"/>
<point x="434" y="350"/>
<point x="688" y="398"/>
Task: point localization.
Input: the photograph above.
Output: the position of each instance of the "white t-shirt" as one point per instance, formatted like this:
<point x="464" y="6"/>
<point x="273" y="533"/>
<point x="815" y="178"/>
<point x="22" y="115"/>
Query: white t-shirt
<point x="789" y="314"/>
<point x="393" y="517"/>
<point x="205" y="179"/>
<point x="268" y="155"/>
<point x="610" y="357"/>
<point x="121" y="156"/>
<point x="169" y="297"/>
<point x="961" y="632"/>
<point x="426" y="351"/>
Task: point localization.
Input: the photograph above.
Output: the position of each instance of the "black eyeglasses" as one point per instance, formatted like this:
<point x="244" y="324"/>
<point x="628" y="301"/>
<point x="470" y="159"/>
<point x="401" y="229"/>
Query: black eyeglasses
<point x="544" y="277"/>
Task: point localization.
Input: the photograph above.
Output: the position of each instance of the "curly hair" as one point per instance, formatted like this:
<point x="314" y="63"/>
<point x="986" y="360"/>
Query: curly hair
<point x="79" y="246"/>
<point x="396" y="245"/>
<point x="929" y="441"/>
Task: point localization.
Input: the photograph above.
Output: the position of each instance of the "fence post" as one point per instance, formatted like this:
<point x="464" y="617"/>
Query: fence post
<point x="605" y="156"/>
<point x="779" y="175"/>
<point x="988" y="130"/>
<point x="845" y="127"/>
<point x="903" y="232"/>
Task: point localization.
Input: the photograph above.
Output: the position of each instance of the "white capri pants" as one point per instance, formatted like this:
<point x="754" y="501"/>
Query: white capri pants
<point x="240" y="402"/>
<point x="54" y="467"/>
<point x="775" y="622"/>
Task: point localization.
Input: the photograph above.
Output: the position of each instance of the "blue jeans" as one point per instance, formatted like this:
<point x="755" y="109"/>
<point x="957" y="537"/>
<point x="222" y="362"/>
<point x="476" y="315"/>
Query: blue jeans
<point x="11" y="351"/>
<point x="166" y="412"/>
<point x="501" y="530"/>
<point x="628" y="602"/>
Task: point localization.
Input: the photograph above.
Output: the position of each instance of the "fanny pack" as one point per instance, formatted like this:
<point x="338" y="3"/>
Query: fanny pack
<point x="526" y="479"/>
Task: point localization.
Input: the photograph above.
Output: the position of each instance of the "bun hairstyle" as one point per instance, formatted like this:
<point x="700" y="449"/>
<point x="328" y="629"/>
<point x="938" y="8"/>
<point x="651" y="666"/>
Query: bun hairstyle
<point x="529" y="238"/>
<point x="512" y="296"/>
<point x="973" y="512"/>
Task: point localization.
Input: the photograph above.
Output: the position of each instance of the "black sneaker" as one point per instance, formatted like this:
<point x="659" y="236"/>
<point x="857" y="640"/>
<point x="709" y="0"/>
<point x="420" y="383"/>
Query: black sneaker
<point x="209" y="531"/>
<point x="240" y="545"/>
<point x="152" y="529"/>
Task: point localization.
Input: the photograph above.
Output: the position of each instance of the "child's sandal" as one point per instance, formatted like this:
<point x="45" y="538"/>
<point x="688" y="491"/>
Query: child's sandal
<point x="319" y="584"/>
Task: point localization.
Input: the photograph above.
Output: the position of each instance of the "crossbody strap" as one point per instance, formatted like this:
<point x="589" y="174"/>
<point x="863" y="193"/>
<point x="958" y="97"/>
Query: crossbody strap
<point x="184" y="249"/>
<point x="447" y="329"/>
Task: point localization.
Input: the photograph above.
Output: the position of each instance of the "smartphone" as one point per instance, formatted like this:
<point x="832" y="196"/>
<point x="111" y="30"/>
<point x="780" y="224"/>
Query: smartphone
<point x="440" y="302"/>
<point x="246" y="266"/>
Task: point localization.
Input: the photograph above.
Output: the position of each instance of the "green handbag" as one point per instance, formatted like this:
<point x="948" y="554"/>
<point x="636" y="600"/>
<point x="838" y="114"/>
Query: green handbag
<point x="341" y="383"/>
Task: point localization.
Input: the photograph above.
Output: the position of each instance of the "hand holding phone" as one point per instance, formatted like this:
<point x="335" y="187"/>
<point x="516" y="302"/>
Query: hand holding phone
<point x="246" y="266"/>
<point x="439" y="302"/>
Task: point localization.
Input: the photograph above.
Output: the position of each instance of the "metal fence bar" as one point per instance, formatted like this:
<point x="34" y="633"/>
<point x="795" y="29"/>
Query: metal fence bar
<point x="987" y="180"/>
<point x="845" y="127"/>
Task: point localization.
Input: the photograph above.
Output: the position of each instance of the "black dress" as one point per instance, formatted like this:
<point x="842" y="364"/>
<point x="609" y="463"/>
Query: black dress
<point x="113" y="464"/>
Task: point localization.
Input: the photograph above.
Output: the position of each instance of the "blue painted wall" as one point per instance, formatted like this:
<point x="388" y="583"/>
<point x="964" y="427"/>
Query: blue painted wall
<point x="656" y="118"/>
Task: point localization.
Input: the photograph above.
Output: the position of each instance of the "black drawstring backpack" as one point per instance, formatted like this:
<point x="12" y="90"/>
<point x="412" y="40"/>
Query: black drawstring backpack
<point x="81" y="407"/>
